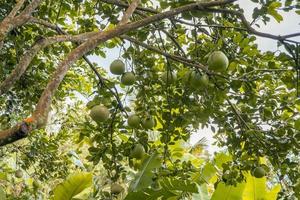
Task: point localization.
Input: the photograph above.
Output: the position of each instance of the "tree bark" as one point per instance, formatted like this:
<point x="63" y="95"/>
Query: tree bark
<point x="39" y="117"/>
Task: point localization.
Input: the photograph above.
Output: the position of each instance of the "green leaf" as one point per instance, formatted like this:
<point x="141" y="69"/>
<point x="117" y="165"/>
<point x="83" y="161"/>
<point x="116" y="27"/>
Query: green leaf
<point x="2" y="194"/>
<point x="272" y="11"/>
<point x="228" y="192"/>
<point x="208" y="172"/>
<point x="168" y="188"/>
<point x="202" y="193"/>
<point x="297" y="124"/>
<point x="150" y="194"/>
<point x="256" y="189"/>
<point x="144" y="177"/>
<point x="72" y="186"/>
<point x="180" y="185"/>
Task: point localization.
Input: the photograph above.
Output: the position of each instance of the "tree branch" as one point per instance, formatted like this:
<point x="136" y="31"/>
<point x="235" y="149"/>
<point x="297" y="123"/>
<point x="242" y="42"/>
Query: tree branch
<point x="11" y="21"/>
<point x="248" y="26"/>
<point x="129" y="12"/>
<point x="170" y="56"/>
<point x="16" y="9"/>
<point x="26" y="59"/>
<point x="39" y="117"/>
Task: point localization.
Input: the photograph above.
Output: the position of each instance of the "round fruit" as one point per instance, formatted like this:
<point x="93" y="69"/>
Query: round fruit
<point x="36" y="184"/>
<point x="204" y="80"/>
<point x="19" y="173"/>
<point x="187" y="77"/>
<point x="218" y="61"/>
<point x="148" y="123"/>
<point x="169" y="77"/>
<point x="195" y="80"/>
<point x="115" y="188"/>
<point x="117" y="67"/>
<point x="99" y="113"/>
<point x="133" y="121"/>
<point x="128" y="78"/>
<point x="138" y="152"/>
<point x="259" y="172"/>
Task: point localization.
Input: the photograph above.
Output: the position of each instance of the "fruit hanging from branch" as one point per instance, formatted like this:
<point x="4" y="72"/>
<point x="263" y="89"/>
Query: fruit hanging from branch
<point x="19" y="173"/>
<point x="116" y="188"/>
<point x="128" y="78"/>
<point x="99" y="113"/>
<point x="117" y="67"/>
<point x="133" y="121"/>
<point x="148" y="122"/>
<point x="259" y="172"/>
<point x="138" y="152"/>
<point x="217" y="61"/>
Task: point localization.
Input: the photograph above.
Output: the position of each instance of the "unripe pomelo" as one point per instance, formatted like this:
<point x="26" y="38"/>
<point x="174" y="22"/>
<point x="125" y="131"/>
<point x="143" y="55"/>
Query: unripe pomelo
<point x="133" y="121"/>
<point x="128" y="78"/>
<point x="259" y="172"/>
<point x="138" y="152"/>
<point x="99" y="113"/>
<point x="117" y="67"/>
<point x="217" y="61"/>
<point x="148" y="122"/>
<point x="19" y="173"/>
<point x="116" y="188"/>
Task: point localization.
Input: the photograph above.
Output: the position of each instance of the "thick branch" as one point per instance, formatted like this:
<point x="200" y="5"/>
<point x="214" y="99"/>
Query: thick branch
<point x="129" y="12"/>
<point x="12" y="21"/>
<point x="26" y="59"/>
<point x="16" y="9"/>
<point x="40" y="114"/>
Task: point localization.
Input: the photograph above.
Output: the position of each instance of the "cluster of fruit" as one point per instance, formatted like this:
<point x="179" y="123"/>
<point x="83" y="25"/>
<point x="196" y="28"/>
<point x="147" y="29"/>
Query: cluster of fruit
<point x="117" y="67"/>
<point x="217" y="62"/>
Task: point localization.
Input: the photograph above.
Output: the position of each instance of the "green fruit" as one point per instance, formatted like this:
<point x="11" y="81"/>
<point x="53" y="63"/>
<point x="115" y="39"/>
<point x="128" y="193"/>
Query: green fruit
<point x="115" y="188"/>
<point x="259" y="172"/>
<point x="19" y="173"/>
<point x="148" y="122"/>
<point x="133" y="121"/>
<point x="99" y="113"/>
<point x="218" y="61"/>
<point x="138" y="152"/>
<point x="187" y="77"/>
<point x="128" y="78"/>
<point x="169" y="77"/>
<point x="36" y="184"/>
<point x="204" y="80"/>
<point x="195" y="80"/>
<point x="117" y="67"/>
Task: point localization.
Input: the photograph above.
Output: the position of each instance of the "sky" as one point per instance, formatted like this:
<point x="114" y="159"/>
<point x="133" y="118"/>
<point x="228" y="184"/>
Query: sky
<point x="290" y="24"/>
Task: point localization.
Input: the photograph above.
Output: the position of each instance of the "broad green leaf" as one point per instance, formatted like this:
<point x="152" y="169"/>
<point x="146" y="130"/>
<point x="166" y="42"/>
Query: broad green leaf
<point x="72" y="186"/>
<point x="272" y="195"/>
<point x="228" y="192"/>
<point x="256" y="189"/>
<point x="297" y="124"/>
<point x="144" y="177"/>
<point x="180" y="185"/>
<point x="221" y="158"/>
<point x="273" y="12"/>
<point x="168" y="188"/>
<point x="207" y="173"/>
<point x="202" y="193"/>
<point x="2" y="194"/>
<point x="150" y="194"/>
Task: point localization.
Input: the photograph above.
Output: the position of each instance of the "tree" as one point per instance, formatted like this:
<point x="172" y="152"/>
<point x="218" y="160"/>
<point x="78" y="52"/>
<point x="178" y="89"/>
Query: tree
<point x="48" y="85"/>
